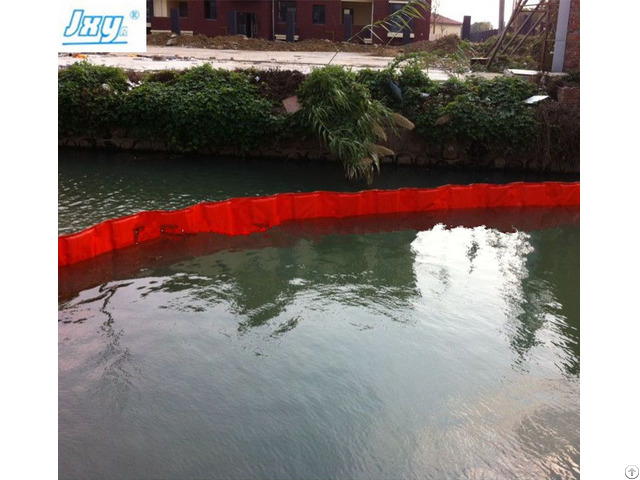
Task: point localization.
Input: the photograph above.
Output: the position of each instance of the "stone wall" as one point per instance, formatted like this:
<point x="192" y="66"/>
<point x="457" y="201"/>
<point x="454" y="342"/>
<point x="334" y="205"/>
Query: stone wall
<point x="572" y="51"/>
<point x="409" y="148"/>
<point x="569" y="96"/>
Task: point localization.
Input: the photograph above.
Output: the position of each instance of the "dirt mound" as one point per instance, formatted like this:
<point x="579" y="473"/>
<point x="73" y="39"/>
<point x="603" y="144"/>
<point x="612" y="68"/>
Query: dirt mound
<point x="442" y="46"/>
<point x="276" y="85"/>
<point x="240" y="42"/>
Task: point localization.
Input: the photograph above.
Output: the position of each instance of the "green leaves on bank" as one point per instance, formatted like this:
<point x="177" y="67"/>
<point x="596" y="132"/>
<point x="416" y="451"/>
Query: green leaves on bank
<point x="89" y="98"/>
<point x="354" y="115"/>
<point x="351" y="124"/>
<point x="200" y="108"/>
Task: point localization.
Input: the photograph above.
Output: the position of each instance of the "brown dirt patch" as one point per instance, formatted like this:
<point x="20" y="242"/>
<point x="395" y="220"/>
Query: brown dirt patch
<point x="276" y="85"/>
<point x="240" y="42"/>
<point x="444" y="46"/>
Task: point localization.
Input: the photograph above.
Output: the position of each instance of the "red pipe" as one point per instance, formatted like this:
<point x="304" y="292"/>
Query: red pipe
<point x="242" y="216"/>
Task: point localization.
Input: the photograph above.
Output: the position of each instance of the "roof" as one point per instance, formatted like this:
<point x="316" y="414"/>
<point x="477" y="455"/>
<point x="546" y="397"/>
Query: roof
<point x="437" y="18"/>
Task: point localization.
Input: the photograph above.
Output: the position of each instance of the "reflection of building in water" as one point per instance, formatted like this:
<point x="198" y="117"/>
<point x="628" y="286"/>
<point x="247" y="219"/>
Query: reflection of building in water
<point x="523" y="284"/>
<point x="485" y="260"/>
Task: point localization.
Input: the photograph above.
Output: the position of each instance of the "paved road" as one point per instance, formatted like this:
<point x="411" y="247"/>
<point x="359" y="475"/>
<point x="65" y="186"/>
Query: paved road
<point x="177" y="58"/>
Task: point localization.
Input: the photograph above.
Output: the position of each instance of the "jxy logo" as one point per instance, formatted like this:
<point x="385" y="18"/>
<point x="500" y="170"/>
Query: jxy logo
<point x="94" y="29"/>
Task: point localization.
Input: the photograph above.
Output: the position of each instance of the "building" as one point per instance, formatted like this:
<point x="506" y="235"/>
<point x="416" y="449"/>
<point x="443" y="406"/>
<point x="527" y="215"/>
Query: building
<point x="442" y="26"/>
<point x="334" y="20"/>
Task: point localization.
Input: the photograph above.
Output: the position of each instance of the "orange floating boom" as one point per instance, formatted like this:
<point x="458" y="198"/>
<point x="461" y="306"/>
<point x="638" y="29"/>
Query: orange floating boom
<point x="246" y="215"/>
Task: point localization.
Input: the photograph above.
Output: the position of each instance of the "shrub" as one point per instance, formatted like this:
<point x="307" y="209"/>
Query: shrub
<point x="88" y="98"/>
<point x="557" y="142"/>
<point x="351" y="113"/>
<point x="483" y="115"/>
<point x="201" y="108"/>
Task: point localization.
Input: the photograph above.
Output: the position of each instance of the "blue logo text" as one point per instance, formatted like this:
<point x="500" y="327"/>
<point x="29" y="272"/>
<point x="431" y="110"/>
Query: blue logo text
<point x="94" y="29"/>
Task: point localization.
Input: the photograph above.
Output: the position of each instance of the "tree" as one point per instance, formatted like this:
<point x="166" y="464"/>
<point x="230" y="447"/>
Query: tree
<point x="481" y="27"/>
<point x="435" y="15"/>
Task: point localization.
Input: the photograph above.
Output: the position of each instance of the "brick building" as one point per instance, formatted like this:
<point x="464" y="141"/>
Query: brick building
<point x="572" y="50"/>
<point x="335" y="20"/>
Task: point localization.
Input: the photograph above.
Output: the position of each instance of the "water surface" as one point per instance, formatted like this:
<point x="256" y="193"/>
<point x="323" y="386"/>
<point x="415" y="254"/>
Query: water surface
<point x="444" y="347"/>
<point x="97" y="186"/>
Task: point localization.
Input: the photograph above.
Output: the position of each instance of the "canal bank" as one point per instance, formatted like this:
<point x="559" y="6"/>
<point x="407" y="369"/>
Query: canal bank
<point x="475" y="123"/>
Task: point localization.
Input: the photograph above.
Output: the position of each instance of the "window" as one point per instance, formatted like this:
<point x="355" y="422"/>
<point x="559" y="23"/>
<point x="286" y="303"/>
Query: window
<point x="396" y="23"/>
<point x="318" y="15"/>
<point x="211" y="9"/>
<point x="183" y="8"/>
<point x="282" y="10"/>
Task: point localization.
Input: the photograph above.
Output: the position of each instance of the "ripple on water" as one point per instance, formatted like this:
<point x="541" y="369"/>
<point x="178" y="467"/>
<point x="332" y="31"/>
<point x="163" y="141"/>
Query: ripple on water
<point x="447" y="353"/>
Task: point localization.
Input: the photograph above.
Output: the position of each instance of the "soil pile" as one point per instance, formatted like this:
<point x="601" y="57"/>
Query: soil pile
<point x="240" y="42"/>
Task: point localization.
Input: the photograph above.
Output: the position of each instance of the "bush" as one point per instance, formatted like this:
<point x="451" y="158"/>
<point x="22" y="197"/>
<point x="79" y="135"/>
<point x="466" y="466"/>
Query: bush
<point x="198" y="108"/>
<point x="557" y="142"/>
<point x="88" y="98"/>
<point x="350" y="112"/>
<point x="482" y="115"/>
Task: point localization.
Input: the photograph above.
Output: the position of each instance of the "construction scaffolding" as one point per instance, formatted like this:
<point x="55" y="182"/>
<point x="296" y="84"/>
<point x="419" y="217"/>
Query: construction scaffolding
<point x="529" y="19"/>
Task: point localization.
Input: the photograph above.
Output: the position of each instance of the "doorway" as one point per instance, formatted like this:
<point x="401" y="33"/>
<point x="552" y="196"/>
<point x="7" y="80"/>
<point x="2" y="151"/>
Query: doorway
<point x="246" y="24"/>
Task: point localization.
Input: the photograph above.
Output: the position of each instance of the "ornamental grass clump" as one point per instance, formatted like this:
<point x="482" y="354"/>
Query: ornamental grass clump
<point x="347" y="120"/>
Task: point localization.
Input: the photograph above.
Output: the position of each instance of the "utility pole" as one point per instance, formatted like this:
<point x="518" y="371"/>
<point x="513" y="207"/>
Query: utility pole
<point x="501" y="16"/>
<point x="561" y="36"/>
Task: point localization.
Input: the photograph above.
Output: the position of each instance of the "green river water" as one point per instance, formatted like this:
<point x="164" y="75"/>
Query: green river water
<point x="414" y="348"/>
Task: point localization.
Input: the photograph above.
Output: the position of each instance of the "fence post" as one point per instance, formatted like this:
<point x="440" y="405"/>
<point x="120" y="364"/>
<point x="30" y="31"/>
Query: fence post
<point x="561" y="36"/>
<point x="466" y="27"/>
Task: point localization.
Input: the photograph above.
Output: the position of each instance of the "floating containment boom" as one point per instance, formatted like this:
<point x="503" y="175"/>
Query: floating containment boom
<point x="243" y="216"/>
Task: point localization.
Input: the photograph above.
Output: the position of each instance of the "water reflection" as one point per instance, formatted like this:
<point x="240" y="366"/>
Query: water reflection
<point x="525" y="283"/>
<point x="261" y="284"/>
<point x="523" y="429"/>
<point x="94" y="186"/>
<point x="442" y="353"/>
<point x="113" y="360"/>
<point x="530" y="275"/>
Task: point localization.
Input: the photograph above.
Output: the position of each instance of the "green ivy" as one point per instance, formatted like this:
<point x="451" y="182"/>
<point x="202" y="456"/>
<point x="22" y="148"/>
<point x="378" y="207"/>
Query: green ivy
<point x="484" y="115"/>
<point x="88" y="98"/>
<point x="352" y="113"/>
<point x="195" y="109"/>
<point x="201" y="108"/>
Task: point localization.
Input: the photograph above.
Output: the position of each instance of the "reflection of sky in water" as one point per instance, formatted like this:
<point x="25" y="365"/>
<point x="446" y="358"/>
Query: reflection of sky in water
<point x="479" y="276"/>
<point x="495" y="263"/>
<point x="521" y="423"/>
<point x="448" y="351"/>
